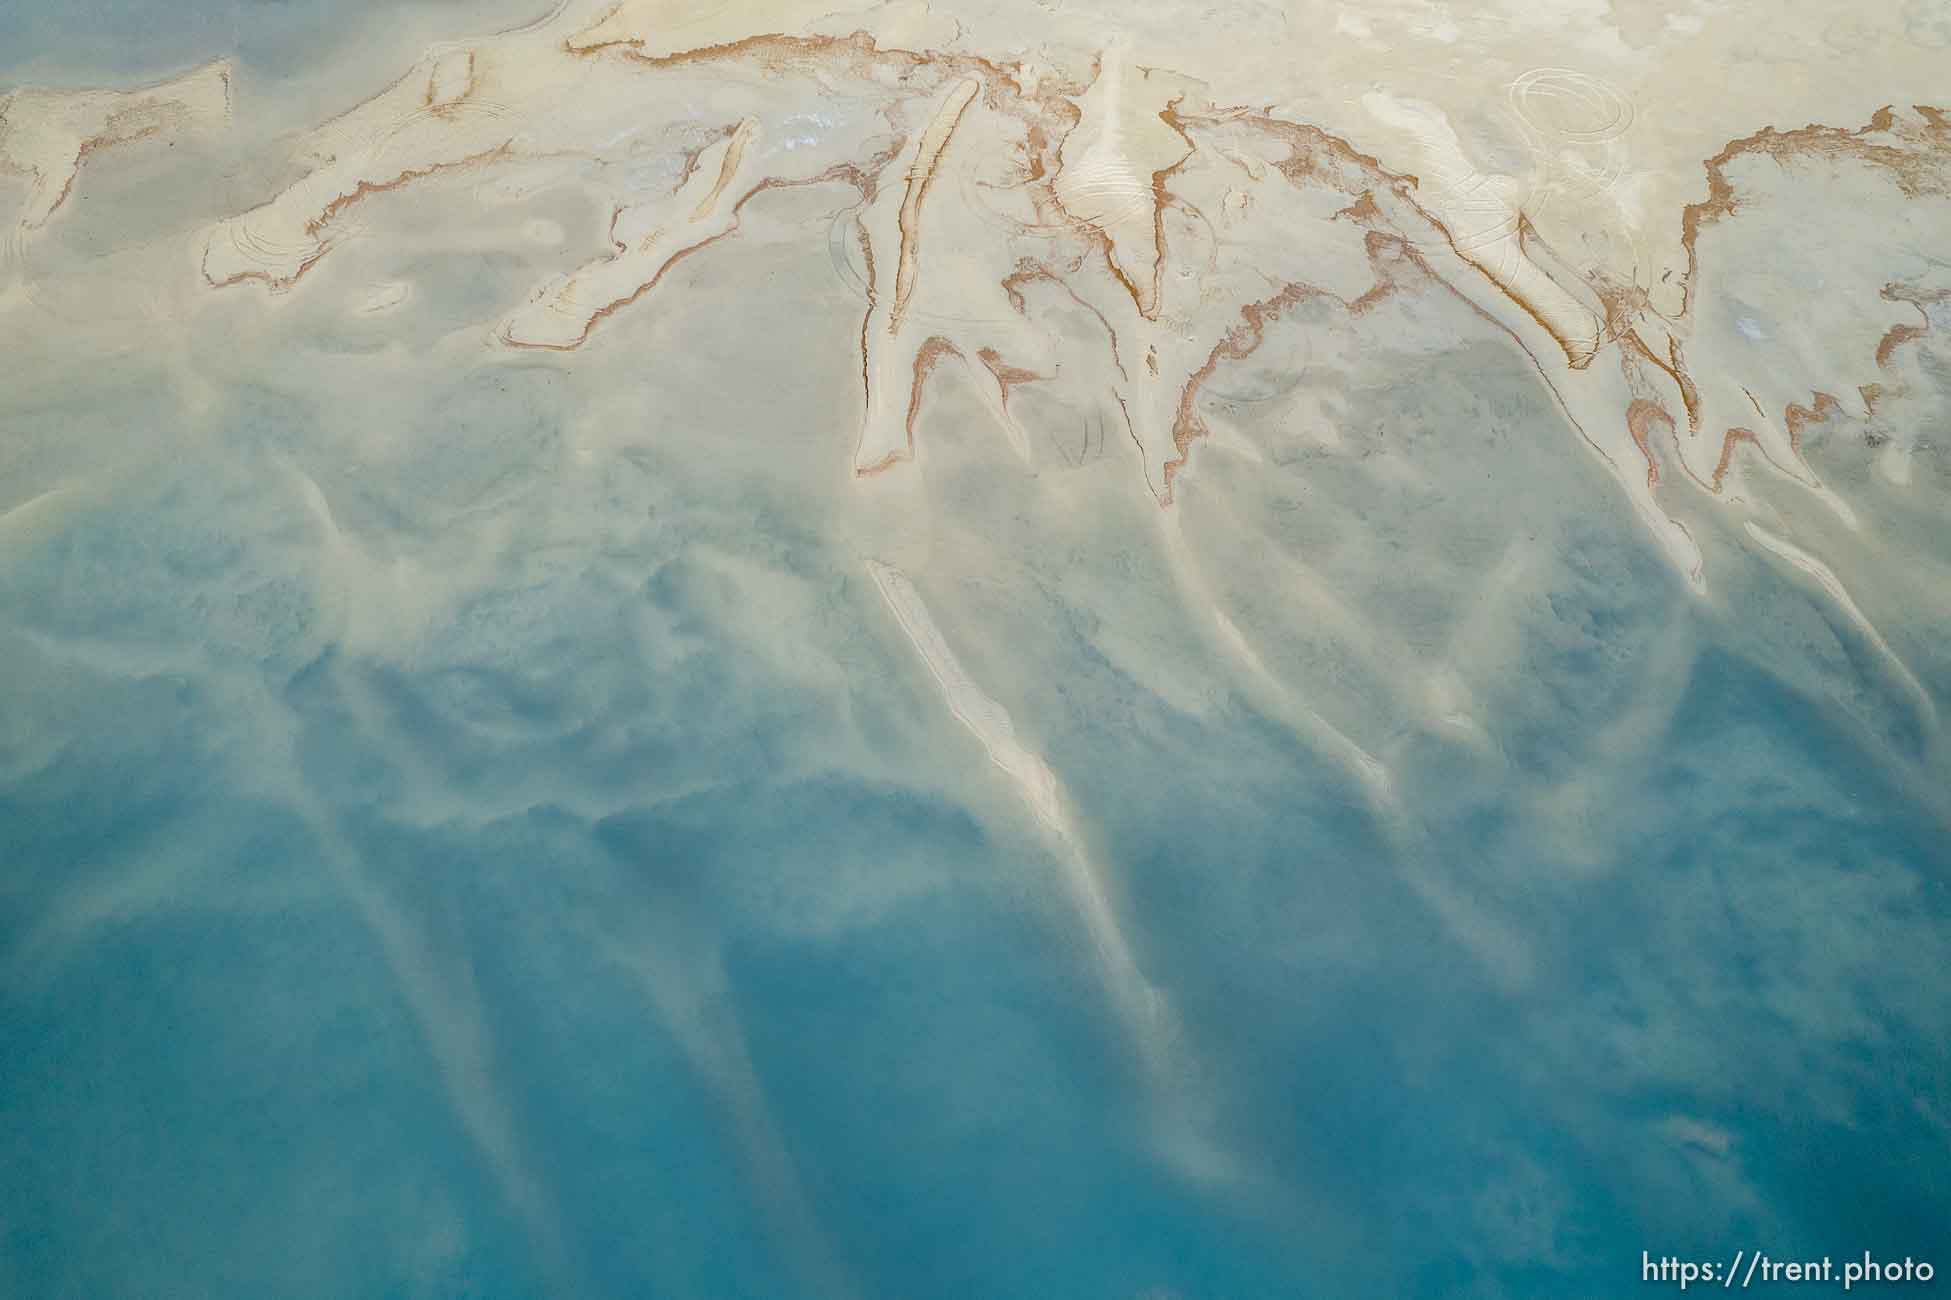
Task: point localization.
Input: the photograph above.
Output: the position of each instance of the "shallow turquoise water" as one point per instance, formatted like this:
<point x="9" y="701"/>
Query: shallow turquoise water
<point x="113" y="41"/>
<point x="636" y="921"/>
<point x="222" y="1091"/>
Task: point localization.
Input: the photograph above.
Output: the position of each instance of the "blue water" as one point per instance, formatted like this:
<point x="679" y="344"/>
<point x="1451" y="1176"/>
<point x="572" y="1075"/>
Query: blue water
<point x="604" y="934"/>
<point x="218" y="1085"/>
<point x="116" y="41"/>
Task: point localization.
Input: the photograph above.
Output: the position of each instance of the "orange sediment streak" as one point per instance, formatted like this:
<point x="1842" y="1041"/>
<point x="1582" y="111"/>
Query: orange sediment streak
<point x="927" y="158"/>
<point x="926" y="359"/>
<point x="1798" y="417"/>
<point x="1239" y="343"/>
<point x="1916" y="172"/>
<point x="1727" y="454"/>
<point x="1006" y="375"/>
<point x="1641" y="416"/>
<point x="1408" y="247"/>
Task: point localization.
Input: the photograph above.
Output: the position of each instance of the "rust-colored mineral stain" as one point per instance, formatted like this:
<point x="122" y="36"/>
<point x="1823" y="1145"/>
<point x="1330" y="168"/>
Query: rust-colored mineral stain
<point x="449" y="83"/>
<point x="839" y="172"/>
<point x="1798" y="417"/>
<point x="1238" y="344"/>
<point x="153" y="122"/>
<point x="1642" y="415"/>
<point x="1917" y="170"/>
<point x="741" y="140"/>
<point x="1579" y="352"/>
<point x="1689" y="391"/>
<point x="1161" y="199"/>
<point x="1721" y="467"/>
<point x="610" y="309"/>
<point x="928" y="156"/>
<point x="366" y="189"/>
<point x="1896" y="337"/>
<point x="1029" y="272"/>
<point x="1006" y="375"/>
<point x="927" y="357"/>
<point x="1399" y="230"/>
<point x="340" y="203"/>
